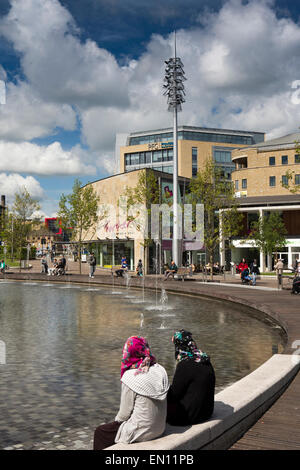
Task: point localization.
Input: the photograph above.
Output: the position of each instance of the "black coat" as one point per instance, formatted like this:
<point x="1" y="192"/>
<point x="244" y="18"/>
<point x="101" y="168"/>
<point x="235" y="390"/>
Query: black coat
<point x="254" y="269"/>
<point x="191" y="395"/>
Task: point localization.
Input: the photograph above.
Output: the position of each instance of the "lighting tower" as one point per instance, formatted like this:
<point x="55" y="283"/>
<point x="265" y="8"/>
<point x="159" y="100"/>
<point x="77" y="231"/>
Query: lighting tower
<point x="174" y="90"/>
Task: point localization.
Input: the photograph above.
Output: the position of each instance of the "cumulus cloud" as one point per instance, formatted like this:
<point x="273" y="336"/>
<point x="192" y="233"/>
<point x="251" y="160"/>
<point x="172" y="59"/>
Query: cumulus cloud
<point x="56" y="63"/>
<point x="240" y="62"/>
<point x="27" y="116"/>
<point x="43" y="160"/>
<point x="10" y="184"/>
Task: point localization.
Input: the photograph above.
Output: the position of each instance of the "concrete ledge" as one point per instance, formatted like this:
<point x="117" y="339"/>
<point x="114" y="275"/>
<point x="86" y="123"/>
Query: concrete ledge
<point x="237" y="408"/>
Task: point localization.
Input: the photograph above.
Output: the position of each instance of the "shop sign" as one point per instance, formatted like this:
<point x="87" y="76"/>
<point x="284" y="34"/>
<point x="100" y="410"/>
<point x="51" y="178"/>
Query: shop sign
<point x="241" y="194"/>
<point x="154" y="146"/>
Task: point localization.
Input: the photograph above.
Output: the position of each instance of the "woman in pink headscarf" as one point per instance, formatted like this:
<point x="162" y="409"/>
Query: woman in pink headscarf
<point x="143" y="406"/>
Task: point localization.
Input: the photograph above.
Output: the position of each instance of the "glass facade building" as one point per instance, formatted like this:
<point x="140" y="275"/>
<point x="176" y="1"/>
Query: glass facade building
<point x="154" y="149"/>
<point x="155" y="159"/>
<point x="202" y="136"/>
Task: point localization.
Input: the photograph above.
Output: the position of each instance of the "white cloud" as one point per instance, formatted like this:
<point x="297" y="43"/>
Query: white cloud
<point x="240" y="63"/>
<point x="26" y="115"/>
<point x="56" y="63"/>
<point x="27" y="157"/>
<point x="10" y="184"/>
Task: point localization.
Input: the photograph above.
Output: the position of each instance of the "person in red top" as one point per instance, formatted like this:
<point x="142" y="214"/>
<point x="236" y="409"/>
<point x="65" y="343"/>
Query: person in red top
<point x="243" y="265"/>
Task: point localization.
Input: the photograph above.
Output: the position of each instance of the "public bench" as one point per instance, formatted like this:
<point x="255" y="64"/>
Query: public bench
<point x="182" y="273"/>
<point x="25" y="264"/>
<point x="237" y="408"/>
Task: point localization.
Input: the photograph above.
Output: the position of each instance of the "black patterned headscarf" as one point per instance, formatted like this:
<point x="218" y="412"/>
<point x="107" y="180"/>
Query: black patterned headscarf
<point x="186" y="348"/>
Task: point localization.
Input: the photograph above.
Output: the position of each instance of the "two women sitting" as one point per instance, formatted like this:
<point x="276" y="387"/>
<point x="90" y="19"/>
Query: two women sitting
<point x="147" y="399"/>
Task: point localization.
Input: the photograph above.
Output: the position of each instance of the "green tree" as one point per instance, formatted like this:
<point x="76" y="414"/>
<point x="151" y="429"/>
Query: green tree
<point x="290" y="183"/>
<point x="145" y="193"/>
<point x="269" y="233"/>
<point x="217" y="196"/>
<point x="78" y="212"/>
<point x="19" y="222"/>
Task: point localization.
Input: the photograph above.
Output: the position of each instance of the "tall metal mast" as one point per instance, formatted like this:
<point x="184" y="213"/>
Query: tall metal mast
<point x="173" y="83"/>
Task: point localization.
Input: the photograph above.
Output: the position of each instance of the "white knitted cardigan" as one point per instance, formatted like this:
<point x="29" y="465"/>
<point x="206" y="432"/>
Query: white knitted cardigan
<point x="153" y="384"/>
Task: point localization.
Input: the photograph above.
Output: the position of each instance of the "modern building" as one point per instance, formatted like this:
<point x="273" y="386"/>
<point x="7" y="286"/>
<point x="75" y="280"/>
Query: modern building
<point x="118" y="234"/>
<point x="259" y="176"/>
<point x="260" y="169"/>
<point x="154" y="149"/>
<point x="48" y="235"/>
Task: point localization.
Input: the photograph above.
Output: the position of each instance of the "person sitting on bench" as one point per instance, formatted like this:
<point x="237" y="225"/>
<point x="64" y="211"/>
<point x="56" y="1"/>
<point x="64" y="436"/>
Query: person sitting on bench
<point x="143" y="404"/>
<point x="171" y="271"/>
<point x="124" y="267"/>
<point x="191" y="395"/>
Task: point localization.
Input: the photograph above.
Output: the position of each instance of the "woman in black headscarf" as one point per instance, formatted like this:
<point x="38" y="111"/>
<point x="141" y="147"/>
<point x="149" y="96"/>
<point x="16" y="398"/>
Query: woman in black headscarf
<point x="191" y="395"/>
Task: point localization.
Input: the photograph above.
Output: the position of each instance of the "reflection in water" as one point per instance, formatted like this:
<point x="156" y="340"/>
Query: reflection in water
<point x="64" y="349"/>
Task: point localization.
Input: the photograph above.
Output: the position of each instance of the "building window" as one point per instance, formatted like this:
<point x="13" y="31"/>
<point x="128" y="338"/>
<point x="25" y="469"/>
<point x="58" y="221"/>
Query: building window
<point x="272" y="181"/>
<point x="236" y="185"/>
<point x="224" y="163"/>
<point x="297" y="179"/>
<point x="285" y="180"/>
<point x="194" y="161"/>
<point x="297" y="158"/>
<point x="284" y="160"/>
<point x="140" y="159"/>
<point x="198" y="136"/>
<point x="157" y="156"/>
<point x="272" y="161"/>
<point x="244" y="184"/>
<point x="222" y="156"/>
<point x="134" y="159"/>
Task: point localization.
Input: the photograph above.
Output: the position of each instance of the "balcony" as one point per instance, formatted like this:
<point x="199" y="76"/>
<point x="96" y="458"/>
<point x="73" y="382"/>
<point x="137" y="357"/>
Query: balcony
<point x="241" y="162"/>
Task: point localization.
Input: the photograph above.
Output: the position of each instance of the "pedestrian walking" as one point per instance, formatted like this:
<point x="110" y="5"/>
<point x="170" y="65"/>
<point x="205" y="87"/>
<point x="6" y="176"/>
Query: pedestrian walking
<point x="139" y="268"/>
<point x="254" y="271"/>
<point x="92" y="263"/>
<point x="44" y="265"/>
<point x="279" y="271"/>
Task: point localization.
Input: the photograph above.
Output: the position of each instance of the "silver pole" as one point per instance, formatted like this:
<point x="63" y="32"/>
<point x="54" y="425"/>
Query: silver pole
<point x="175" y="193"/>
<point x="174" y="78"/>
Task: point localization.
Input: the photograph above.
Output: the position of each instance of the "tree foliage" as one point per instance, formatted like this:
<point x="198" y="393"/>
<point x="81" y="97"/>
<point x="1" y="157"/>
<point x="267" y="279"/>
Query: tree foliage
<point x="145" y="193"/>
<point x="78" y="212"/>
<point x="19" y="222"/>
<point x="290" y="183"/>
<point x="269" y="233"/>
<point x="217" y="196"/>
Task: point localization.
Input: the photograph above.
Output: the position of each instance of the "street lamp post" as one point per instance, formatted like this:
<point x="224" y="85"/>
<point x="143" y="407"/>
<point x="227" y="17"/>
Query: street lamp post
<point x="174" y="90"/>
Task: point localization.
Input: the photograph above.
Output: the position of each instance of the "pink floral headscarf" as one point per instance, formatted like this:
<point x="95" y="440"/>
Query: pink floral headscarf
<point x="136" y="355"/>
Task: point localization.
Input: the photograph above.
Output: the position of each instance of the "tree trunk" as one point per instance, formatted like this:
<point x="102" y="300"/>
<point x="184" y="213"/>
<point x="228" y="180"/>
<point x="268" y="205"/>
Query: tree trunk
<point x="211" y="259"/>
<point x="79" y="256"/>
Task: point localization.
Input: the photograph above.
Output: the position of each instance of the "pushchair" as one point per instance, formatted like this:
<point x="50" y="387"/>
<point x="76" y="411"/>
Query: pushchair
<point x="245" y="276"/>
<point x="296" y="285"/>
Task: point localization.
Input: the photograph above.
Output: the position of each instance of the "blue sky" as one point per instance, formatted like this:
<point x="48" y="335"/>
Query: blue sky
<point x="79" y="71"/>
